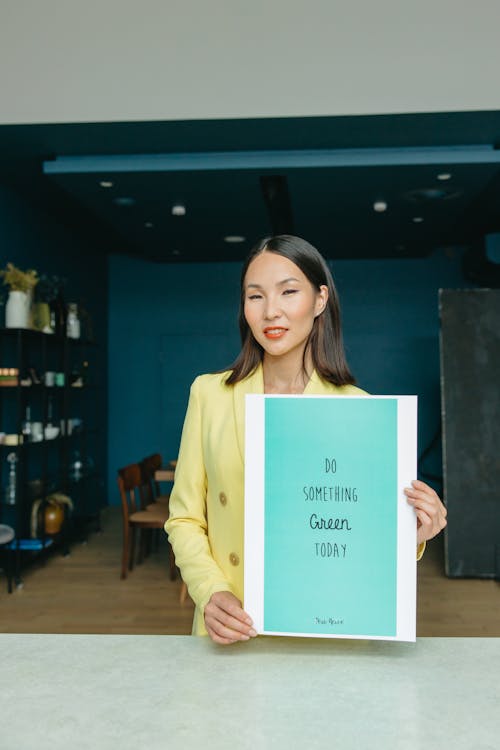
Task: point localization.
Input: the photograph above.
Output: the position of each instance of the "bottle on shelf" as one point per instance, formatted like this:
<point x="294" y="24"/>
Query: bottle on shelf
<point x="50" y="411"/>
<point x="26" y="426"/>
<point x="11" y="489"/>
<point x="73" y="322"/>
<point x="76" y="467"/>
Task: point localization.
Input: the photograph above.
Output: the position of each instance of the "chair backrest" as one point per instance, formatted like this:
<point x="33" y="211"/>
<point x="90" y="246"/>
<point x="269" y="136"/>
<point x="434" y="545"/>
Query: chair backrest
<point x="130" y="483"/>
<point x="149" y="465"/>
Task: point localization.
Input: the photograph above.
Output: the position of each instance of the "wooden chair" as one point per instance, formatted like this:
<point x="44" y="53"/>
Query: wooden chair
<point x="7" y="534"/>
<point x="150" y="466"/>
<point x="151" y="500"/>
<point x="131" y="487"/>
<point x="153" y="473"/>
<point x="168" y="475"/>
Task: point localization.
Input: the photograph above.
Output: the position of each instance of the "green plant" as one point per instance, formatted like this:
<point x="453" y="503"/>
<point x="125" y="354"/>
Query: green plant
<point x="17" y="280"/>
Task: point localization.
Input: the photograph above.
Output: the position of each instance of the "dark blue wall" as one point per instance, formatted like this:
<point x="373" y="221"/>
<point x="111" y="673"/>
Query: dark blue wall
<point x="32" y="238"/>
<point x="169" y="323"/>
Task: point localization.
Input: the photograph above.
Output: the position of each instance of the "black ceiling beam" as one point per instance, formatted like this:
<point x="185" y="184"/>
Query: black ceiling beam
<point x="279" y="206"/>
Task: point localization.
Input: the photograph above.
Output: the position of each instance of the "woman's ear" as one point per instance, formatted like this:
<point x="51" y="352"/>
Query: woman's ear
<point x="321" y="300"/>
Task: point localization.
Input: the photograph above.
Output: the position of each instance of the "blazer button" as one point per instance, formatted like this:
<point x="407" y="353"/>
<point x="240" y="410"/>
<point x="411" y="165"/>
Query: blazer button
<point x="234" y="559"/>
<point x="223" y="498"/>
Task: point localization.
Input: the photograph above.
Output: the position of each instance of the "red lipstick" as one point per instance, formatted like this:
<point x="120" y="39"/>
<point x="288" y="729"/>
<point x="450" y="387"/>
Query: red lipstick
<point x="274" y="332"/>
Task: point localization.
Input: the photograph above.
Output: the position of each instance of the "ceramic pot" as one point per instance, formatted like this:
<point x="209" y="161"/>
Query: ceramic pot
<point x="53" y="517"/>
<point x="17" y="310"/>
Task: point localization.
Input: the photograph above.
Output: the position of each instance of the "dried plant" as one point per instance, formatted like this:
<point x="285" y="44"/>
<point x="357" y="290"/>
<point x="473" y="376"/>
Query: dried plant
<point x="17" y="280"/>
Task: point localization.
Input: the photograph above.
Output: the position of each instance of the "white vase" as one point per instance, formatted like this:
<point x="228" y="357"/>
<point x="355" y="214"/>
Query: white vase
<point x="17" y="310"/>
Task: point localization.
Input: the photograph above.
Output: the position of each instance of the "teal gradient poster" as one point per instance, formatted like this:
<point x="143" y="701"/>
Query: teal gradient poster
<point x="333" y="554"/>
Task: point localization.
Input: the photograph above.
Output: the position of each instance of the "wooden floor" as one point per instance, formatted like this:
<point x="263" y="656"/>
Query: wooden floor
<point x="82" y="593"/>
<point x="454" y="606"/>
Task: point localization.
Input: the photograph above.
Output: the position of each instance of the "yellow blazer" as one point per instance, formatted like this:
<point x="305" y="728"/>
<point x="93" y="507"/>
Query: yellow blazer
<point x="205" y="526"/>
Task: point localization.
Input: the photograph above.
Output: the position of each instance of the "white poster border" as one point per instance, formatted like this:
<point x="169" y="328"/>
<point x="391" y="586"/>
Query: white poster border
<point x="254" y="516"/>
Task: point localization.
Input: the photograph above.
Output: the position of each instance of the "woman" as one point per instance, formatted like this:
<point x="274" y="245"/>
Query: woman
<point x="291" y="343"/>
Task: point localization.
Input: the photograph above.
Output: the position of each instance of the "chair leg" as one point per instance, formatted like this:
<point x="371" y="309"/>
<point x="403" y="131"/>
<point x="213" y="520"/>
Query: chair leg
<point x="17" y="566"/>
<point x="142" y="544"/>
<point x="148" y="537"/>
<point x="183" y="593"/>
<point x="125" y="551"/>
<point x="5" y="551"/>
<point x="173" y="567"/>
<point x="132" y="549"/>
<point x="10" y="575"/>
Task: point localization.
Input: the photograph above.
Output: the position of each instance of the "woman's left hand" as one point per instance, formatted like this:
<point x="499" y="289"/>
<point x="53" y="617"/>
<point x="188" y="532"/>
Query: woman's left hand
<point x="431" y="513"/>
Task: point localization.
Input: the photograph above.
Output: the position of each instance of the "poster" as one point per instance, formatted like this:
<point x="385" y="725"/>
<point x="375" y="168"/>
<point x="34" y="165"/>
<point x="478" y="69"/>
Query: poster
<point x="330" y="541"/>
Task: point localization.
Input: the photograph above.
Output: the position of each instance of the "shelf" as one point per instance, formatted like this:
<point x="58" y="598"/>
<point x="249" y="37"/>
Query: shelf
<point x="27" y="332"/>
<point x="41" y="336"/>
<point x="59" y="438"/>
<point x="49" y="461"/>
<point x="33" y="545"/>
<point x="83" y="478"/>
<point x="54" y="482"/>
<point x="39" y="387"/>
<point x="81" y="342"/>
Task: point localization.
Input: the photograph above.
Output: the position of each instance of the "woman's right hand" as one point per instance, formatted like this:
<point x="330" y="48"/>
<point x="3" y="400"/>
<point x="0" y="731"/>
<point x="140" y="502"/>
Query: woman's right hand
<point x="226" y="621"/>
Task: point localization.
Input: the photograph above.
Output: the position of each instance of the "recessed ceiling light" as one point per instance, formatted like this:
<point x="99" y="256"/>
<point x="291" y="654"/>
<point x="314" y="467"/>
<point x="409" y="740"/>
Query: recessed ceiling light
<point x="234" y="238"/>
<point x="148" y="224"/>
<point x="380" y="207"/>
<point x="124" y="201"/>
<point x="178" y="210"/>
<point x="418" y="219"/>
<point x="106" y="184"/>
<point x="444" y="176"/>
<point x="428" y="194"/>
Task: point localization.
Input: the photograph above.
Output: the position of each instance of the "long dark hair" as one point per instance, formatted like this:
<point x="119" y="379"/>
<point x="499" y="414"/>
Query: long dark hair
<point x="325" y="342"/>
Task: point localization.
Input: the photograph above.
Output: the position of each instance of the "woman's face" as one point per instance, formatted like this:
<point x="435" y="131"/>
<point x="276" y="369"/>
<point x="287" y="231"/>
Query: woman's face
<point x="280" y="304"/>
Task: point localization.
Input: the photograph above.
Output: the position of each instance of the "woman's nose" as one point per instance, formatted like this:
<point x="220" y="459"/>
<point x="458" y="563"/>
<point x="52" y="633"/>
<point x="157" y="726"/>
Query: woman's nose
<point x="272" y="309"/>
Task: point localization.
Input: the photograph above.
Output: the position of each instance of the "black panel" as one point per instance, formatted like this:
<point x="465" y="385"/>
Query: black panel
<point x="277" y="199"/>
<point x="470" y="393"/>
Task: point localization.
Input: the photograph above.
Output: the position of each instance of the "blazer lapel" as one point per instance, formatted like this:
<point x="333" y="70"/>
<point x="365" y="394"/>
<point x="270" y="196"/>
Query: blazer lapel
<point x="254" y="383"/>
<point x="318" y="386"/>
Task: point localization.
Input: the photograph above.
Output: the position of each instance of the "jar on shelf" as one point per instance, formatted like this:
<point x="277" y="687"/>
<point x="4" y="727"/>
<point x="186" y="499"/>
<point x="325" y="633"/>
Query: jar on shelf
<point x="53" y="518"/>
<point x="76" y="467"/>
<point x="17" y="309"/>
<point x="80" y="466"/>
<point x="73" y="322"/>
<point x="11" y="489"/>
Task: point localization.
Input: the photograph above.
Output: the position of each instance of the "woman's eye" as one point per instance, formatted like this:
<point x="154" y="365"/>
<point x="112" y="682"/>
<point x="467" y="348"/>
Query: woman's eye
<point x="290" y="291"/>
<point x="254" y="296"/>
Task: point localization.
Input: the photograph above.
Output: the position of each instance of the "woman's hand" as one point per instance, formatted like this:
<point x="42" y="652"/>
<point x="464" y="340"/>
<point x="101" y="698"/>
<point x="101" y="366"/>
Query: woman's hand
<point x="431" y="513"/>
<point x="225" y="620"/>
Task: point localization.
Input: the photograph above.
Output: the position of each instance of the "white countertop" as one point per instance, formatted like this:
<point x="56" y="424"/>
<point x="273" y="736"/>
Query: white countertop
<point x="159" y="692"/>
